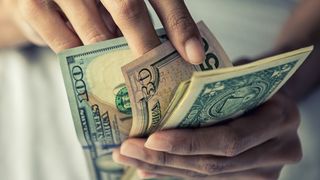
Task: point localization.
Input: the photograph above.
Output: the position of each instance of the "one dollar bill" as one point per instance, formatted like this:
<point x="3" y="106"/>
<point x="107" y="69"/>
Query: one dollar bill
<point x="213" y="96"/>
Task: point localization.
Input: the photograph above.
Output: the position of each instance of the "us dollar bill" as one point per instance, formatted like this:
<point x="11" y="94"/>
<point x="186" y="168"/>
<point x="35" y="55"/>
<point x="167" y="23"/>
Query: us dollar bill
<point x="153" y="79"/>
<point x="99" y="101"/>
<point x="213" y="96"/>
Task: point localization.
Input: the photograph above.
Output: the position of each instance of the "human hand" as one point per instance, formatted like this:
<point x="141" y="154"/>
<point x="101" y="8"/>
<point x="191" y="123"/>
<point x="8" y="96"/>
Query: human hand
<point x="254" y="146"/>
<point x="61" y="24"/>
<point x="133" y="19"/>
<point x="64" y="24"/>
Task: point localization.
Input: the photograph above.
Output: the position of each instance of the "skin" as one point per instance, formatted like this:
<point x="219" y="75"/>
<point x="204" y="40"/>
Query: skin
<point x="303" y="29"/>
<point x="11" y="35"/>
<point x="56" y="23"/>
<point x="254" y="146"/>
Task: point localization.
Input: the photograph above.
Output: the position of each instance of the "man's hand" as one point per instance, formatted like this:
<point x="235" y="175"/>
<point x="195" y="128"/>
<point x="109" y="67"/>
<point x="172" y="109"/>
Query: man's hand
<point x="64" y="24"/>
<point x="255" y="146"/>
<point x="133" y="19"/>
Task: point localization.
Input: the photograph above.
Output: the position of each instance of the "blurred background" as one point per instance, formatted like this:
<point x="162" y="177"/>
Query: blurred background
<point x="37" y="137"/>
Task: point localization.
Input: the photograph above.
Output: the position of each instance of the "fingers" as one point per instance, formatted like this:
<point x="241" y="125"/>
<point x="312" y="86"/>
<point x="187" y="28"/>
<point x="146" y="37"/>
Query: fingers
<point x="181" y="29"/>
<point x="109" y="22"/>
<point x="275" y="117"/>
<point x="132" y="17"/>
<point x="271" y="173"/>
<point x="155" y="170"/>
<point x="244" y="148"/>
<point x="117" y="157"/>
<point x="86" y="20"/>
<point x="287" y="151"/>
<point x="51" y="27"/>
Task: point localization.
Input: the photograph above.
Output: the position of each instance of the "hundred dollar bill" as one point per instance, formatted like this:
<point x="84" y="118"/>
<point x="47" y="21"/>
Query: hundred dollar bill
<point x="212" y="96"/>
<point x="99" y="101"/>
<point x="153" y="79"/>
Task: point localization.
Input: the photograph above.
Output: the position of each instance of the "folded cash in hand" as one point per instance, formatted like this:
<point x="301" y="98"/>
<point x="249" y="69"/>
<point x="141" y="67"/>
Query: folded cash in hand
<point x="112" y="96"/>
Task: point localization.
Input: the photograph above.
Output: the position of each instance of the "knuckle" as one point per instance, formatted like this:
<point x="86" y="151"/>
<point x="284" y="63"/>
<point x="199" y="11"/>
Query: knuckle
<point x="210" y="167"/>
<point x="290" y="120"/>
<point x="287" y="113"/>
<point x="192" y="146"/>
<point x="296" y="154"/>
<point x="176" y="147"/>
<point x="289" y="149"/>
<point x="59" y="46"/>
<point x="163" y="159"/>
<point x="128" y="9"/>
<point x="233" y="144"/>
<point x="93" y="36"/>
<point x="179" y="20"/>
<point x="184" y="143"/>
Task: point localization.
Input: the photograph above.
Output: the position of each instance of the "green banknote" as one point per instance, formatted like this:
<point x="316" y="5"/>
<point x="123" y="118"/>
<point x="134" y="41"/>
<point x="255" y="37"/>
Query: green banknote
<point x="213" y="96"/>
<point x="99" y="101"/>
<point x="112" y="98"/>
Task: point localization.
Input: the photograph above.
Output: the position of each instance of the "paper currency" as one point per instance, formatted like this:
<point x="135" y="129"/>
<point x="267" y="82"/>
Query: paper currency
<point x="152" y="80"/>
<point x="160" y="91"/>
<point x="213" y="96"/>
<point x="99" y="101"/>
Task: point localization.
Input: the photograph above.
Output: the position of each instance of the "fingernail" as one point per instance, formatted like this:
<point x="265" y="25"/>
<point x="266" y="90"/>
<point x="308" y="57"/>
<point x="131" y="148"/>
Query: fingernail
<point x="194" y="51"/>
<point x="158" y="143"/>
<point x="132" y="150"/>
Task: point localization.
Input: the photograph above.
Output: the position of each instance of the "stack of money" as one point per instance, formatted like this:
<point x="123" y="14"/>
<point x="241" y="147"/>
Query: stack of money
<point x="114" y="96"/>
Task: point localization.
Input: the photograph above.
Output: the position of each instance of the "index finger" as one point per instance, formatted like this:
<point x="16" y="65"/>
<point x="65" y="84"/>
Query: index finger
<point x="181" y="29"/>
<point x="231" y="139"/>
<point x="132" y="18"/>
<point x="51" y="27"/>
